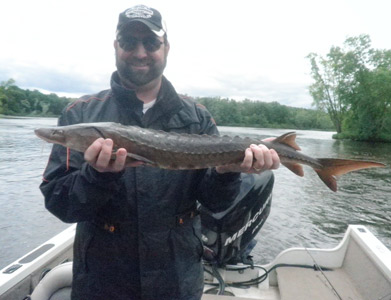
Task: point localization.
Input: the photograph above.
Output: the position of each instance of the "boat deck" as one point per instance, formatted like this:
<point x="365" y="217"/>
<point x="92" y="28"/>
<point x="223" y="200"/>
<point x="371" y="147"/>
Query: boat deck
<point x="359" y="268"/>
<point x="296" y="283"/>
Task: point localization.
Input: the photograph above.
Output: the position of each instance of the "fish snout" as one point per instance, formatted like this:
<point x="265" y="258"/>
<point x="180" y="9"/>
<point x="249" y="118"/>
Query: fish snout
<point x="50" y="135"/>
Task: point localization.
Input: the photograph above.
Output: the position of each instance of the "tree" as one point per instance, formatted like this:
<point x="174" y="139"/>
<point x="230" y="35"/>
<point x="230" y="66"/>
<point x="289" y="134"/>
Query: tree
<point x="262" y="114"/>
<point x="371" y="107"/>
<point x="4" y="86"/>
<point x="7" y="84"/>
<point x="353" y="85"/>
<point x="333" y="78"/>
<point x="17" y="101"/>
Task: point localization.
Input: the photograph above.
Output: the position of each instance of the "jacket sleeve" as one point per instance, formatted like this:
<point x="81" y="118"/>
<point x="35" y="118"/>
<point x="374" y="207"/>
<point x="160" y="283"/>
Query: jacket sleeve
<point x="72" y="189"/>
<point x="216" y="191"/>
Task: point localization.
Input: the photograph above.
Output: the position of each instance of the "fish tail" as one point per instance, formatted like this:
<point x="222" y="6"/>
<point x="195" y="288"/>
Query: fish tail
<point x="332" y="167"/>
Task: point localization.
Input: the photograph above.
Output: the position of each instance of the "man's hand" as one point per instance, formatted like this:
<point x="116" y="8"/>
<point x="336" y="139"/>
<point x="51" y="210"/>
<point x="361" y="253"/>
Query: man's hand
<point x="257" y="159"/>
<point x="99" y="156"/>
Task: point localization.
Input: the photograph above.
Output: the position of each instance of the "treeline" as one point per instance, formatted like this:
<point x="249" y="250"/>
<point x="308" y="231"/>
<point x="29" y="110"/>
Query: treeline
<point x="15" y="101"/>
<point x="248" y="113"/>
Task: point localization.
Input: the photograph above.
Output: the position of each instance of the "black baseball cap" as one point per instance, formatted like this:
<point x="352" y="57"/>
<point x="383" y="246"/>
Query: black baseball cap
<point x="144" y="14"/>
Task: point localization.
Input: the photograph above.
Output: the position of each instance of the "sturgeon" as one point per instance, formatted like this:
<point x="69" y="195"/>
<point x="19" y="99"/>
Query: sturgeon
<point x="176" y="151"/>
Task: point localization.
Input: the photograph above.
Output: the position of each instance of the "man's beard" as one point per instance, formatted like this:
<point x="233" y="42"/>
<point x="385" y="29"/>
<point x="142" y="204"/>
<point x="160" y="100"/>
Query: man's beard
<point x="139" y="77"/>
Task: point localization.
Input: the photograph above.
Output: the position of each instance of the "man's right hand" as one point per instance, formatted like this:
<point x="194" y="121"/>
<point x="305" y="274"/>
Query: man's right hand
<point x="99" y="156"/>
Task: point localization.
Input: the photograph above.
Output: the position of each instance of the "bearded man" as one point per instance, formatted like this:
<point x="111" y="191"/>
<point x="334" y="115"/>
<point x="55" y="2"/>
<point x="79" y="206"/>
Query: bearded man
<point x="129" y="243"/>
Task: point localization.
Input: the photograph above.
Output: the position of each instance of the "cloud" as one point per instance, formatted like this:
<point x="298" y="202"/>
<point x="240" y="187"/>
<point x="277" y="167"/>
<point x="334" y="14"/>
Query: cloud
<point x="50" y="79"/>
<point x="240" y="87"/>
<point x="254" y="50"/>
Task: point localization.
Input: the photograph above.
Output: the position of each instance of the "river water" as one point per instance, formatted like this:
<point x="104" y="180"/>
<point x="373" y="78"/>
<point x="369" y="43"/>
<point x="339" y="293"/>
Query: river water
<point x="304" y="212"/>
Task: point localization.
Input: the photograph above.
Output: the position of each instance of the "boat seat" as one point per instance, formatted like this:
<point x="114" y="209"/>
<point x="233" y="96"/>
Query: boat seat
<point x="56" y="285"/>
<point x="308" y="284"/>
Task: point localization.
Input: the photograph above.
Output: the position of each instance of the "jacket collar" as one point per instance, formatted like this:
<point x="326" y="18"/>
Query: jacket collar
<point x="126" y="97"/>
<point x="167" y="103"/>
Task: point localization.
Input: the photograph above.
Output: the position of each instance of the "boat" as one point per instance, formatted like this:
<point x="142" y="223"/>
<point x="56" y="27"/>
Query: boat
<point x="359" y="268"/>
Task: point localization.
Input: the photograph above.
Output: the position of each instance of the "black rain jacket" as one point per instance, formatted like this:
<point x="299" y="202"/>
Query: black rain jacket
<point x="136" y="237"/>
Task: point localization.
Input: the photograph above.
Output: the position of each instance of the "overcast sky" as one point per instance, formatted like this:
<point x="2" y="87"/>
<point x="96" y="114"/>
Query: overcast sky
<point x="236" y="49"/>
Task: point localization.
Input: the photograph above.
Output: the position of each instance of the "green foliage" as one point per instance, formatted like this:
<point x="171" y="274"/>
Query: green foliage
<point x="228" y="112"/>
<point x="18" y="102"/>
<point x="247" y="113"/>
<point x="369" y="116"/>
<point x="353" y="84"/>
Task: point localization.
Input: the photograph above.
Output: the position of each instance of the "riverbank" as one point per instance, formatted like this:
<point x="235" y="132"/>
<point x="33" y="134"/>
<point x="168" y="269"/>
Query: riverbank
<point x="356" y="137"/>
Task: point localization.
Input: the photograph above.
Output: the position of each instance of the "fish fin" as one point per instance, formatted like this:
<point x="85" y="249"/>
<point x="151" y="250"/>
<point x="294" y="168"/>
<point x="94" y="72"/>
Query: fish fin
<point x="288" y="139"/>
<point x="342" y="166"/>
<point x="333" y="167"/>
<point x="134" y="157"/>
<point x="295" y="168"/>
<point x="328" y="179"/>
<point x="141" y="158"/>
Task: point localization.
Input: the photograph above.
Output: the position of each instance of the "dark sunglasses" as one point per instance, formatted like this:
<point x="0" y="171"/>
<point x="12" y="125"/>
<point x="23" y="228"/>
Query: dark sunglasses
<point x="150" y="43"/>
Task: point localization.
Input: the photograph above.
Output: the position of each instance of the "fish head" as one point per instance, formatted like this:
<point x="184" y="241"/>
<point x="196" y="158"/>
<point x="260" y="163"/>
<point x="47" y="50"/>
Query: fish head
<point x="51" y="135"/>
<point x="78" y="137"/>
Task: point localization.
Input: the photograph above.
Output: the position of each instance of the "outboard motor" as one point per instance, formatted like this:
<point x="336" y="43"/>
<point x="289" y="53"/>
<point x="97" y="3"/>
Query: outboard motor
<point x="228" y="236"/>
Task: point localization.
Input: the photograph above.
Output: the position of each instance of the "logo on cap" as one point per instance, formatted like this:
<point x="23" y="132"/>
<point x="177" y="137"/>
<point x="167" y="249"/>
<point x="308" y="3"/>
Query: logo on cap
<point x="139" y="11"/>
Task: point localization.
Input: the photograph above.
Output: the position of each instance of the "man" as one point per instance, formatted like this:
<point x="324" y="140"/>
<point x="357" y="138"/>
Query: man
<point x="138" y="236"/>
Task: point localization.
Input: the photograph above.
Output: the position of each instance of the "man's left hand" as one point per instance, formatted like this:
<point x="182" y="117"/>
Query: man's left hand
<point x="257" y="159"/>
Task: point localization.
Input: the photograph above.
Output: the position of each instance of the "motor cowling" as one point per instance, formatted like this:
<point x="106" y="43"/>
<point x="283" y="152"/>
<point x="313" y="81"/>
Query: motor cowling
<point x="228" y="236"/>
